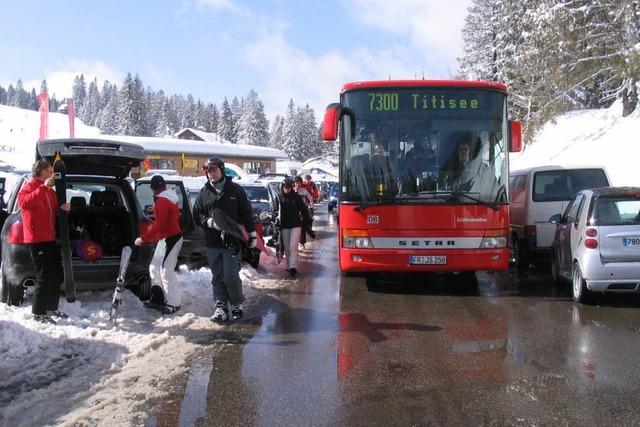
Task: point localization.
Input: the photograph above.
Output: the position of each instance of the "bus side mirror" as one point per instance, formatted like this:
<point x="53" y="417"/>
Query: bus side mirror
<point x="515" y="133"/>
<point x="330" y="123"/>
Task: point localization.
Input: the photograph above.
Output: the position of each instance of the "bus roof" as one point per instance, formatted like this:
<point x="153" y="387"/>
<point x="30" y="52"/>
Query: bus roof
<point x="427" y="83"/>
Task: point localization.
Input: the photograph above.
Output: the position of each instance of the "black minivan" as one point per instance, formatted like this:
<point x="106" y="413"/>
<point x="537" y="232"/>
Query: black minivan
<point x="104" y="209"/>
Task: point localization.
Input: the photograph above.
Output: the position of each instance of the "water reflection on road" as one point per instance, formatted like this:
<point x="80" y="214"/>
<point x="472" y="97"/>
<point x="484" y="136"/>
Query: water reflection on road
<point x="490" y="348"/>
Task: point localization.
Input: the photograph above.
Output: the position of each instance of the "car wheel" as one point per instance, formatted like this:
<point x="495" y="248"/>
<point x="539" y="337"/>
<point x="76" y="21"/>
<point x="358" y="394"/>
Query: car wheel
<point x="520" y="255"/>
<point x="580" y="292"/>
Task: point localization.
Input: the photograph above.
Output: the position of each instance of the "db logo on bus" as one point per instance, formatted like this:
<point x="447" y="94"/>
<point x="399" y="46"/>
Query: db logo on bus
<point x="373" y="219"/>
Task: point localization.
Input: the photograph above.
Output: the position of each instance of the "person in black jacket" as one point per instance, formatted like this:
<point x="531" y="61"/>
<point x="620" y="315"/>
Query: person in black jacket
<point x="221" y="193"/>
<point x="293" y="213"/>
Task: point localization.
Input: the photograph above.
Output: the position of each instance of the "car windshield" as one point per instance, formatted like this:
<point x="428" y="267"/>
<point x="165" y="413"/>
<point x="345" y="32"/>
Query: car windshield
<point x="424" y="144"/>
<point x="617" y="210"/>
<point x="257" y="193"/>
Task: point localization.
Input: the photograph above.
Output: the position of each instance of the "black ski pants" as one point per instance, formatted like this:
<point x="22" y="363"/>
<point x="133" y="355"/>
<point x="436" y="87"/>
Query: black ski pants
<point x="49" y="276"/>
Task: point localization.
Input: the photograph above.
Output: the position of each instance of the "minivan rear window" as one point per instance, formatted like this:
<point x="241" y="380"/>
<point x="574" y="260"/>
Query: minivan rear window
<point x="559" y="185"/>
<point x="616" y="211"/>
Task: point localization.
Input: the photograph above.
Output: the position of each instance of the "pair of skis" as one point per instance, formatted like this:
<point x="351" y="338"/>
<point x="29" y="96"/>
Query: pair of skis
<point x="120" y="282"/>
<point x="60" y="176"/>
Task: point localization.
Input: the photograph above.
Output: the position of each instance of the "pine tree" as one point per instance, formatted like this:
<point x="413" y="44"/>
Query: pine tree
<point x="276" y="135"/>
<point x="290" y="134"/>
<point x="254" y="127"/>
<point x="236" y="112"/>
<point x="79" y="94"/>
<point x="226" y="124"/>
<point x="130" y="108"/>
<point x="11" y="94"/>
<point x="43" y="87"/>
<point x="210" y="118"/>
<point x="93" y="104"/>
<point x="163" y="120"/>
<point x="3" y="96"/>
<point x="32" y="103"/>
<point x="21" y="97"/>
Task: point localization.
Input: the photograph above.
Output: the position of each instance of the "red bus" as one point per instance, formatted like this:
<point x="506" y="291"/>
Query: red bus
<point x="424" y="170"/>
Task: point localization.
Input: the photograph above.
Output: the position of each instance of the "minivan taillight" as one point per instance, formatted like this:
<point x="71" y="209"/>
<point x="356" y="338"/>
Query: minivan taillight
<point x="591" y="243"/>
<point x="591" y="232"/>
<point x="530" y="231"/>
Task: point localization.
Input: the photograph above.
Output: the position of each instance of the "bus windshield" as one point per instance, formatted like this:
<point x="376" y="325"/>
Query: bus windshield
<point x="424" y="144"/>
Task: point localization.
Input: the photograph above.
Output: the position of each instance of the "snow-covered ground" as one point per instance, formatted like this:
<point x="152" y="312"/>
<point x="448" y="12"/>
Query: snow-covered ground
<point x="589" y="137"/>
<point x="85" y="371"/>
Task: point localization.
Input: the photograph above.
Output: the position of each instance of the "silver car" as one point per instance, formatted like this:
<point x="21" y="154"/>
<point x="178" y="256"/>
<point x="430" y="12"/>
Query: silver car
<point x="597" y="242"/>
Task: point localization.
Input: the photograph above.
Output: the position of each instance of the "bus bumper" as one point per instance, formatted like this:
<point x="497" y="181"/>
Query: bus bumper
<point x="359" y="260"/>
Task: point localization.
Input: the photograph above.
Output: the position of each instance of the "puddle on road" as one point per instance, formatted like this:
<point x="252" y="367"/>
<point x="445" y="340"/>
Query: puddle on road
<point x="194" y="402"/>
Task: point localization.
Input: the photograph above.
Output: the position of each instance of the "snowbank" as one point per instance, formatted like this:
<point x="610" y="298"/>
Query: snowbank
<point x="589" y="137"/>
<point x="86" y="371"/>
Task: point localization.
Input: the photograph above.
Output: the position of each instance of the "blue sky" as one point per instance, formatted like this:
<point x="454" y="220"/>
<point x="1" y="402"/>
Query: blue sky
<point x="303" y="49"/>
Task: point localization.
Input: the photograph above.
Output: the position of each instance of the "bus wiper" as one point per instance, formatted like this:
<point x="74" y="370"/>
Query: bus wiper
<point x="363" y="206"/>
<point x="405" y="199"/>
<point x="459" y="194"/>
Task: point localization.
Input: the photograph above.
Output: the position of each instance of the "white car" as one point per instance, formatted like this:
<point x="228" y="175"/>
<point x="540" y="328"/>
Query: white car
<point x="597" y="242"/>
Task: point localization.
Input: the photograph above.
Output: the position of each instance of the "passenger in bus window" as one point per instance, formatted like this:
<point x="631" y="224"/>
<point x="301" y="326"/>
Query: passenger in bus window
<point x="381" y="170"/>
<point x="458" y="161"/>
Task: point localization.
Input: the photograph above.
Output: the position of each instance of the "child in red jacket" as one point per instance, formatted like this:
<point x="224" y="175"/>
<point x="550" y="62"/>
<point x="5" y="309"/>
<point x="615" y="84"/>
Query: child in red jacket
<point x="165" y="230"/>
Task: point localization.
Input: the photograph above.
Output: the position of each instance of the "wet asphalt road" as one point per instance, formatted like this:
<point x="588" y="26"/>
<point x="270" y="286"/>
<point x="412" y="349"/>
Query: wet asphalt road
<point x="490" y="349"/>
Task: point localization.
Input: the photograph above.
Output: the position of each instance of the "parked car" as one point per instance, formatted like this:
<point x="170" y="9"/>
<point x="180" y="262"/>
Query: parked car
<point x="597" y="242"/>
<point x="333" y="198"/>
<point x="192" y="254"/>
<point x="104" y="209"/>
<point x="536" y="194"/>
<point x="261" y="197"/>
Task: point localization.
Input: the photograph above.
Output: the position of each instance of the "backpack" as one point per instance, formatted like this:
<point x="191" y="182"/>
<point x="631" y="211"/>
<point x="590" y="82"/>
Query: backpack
<point x="313" y="190"/>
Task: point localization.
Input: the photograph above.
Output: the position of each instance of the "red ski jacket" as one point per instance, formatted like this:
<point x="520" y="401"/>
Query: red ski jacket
<point x="166" y="220"/>
<point x="39" y="207"/>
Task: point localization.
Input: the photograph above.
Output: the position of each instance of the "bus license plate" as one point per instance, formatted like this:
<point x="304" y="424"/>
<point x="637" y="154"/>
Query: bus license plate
<point x="427" y="259"/>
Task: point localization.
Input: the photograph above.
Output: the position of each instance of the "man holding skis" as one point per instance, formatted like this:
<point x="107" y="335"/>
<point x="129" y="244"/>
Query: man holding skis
<point x="221" y="193"/>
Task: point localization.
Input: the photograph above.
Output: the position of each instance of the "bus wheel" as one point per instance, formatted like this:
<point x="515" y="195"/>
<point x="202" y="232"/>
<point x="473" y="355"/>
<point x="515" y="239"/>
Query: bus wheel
<point x="520" y="254"/>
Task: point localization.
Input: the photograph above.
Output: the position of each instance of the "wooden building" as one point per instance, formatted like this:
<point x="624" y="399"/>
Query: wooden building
<point x="188" y="155"/>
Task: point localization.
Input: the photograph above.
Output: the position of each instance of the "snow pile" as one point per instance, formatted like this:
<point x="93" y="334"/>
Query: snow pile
<point x="86" y="371"/>
<point x="589" y="137"/>
<point x="19" y="131"/>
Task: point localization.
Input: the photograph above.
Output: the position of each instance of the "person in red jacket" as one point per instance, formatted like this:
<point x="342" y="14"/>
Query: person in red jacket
<point x="39" y="206"/>
<point x="165" y="230"/>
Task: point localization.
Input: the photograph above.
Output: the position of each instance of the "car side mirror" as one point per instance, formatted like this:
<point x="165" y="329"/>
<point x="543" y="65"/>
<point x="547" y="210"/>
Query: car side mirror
<point x="555" y="219"/>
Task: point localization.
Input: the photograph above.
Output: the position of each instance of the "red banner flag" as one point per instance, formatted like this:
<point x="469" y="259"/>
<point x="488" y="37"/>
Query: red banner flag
<point x="72" y="118"/>
<point x="43" y="102"/>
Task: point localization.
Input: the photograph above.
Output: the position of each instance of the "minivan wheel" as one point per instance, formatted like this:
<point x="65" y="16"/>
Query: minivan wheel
<point x="580" y="292"/>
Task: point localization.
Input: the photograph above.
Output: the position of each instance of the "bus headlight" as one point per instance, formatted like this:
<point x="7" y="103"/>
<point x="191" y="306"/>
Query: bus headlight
<point x="357" y="242"/>
<point x="356" y="239"/>
<point x="493" y="242"/>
